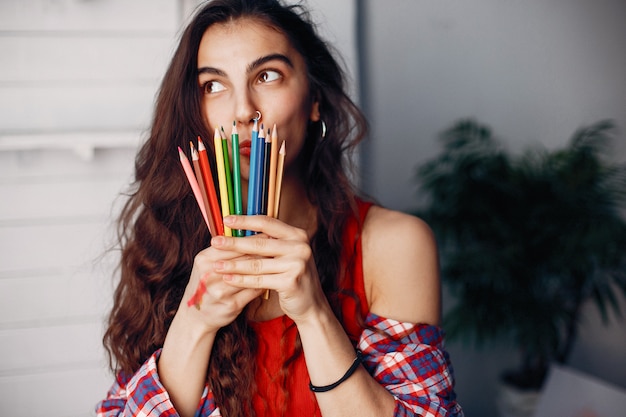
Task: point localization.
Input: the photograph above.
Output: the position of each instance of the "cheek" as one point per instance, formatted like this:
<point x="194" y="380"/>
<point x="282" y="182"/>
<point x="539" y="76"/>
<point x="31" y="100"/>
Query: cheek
<point x="214" y="116"/>
<point x="295" y="116"/>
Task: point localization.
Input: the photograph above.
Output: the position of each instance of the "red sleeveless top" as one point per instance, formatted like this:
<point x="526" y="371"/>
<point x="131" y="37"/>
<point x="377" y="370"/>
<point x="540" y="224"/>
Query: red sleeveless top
<point x="284" y="390"/>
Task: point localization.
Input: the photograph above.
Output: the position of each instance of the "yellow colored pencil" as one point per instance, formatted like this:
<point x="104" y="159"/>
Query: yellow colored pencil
<point x="221" y="178"/>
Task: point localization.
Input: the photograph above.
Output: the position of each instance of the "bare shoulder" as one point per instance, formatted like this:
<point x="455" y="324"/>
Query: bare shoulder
<point x="400" y="267"/>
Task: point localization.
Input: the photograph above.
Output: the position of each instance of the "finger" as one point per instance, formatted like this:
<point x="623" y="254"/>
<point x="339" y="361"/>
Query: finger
<point x="212" y="289"/>
<point x="250" y="266"/>
<point x="254" y="282"/>
<point x="268" y="225"/>
<point x="223" y="253"/>
<point x="243" y="297"/>
<point x="261" y="245"/>
<point x="205" y="259"/>
<point x="232" y="305"/>
<point x="231" y="295"/>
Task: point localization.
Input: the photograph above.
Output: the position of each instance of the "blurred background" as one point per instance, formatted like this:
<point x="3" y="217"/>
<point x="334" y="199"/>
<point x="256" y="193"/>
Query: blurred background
<point x="77" y="83"/>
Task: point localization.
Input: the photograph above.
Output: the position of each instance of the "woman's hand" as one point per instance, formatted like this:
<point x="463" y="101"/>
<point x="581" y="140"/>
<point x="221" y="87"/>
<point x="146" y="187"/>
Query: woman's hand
<point x="280" y="258"/>
<point x="218" y="303"/>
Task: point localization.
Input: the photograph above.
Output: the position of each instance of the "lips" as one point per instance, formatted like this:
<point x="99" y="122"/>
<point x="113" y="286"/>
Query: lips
<point x="244" y="148"/>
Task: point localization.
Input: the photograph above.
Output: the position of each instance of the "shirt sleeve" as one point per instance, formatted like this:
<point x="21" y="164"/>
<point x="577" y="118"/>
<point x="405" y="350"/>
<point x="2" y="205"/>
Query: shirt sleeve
<point x="142" y="394"/>
<point x="410" y="361"/>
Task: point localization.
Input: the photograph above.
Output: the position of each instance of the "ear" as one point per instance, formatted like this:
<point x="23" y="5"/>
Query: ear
<point x="315" y="112"/>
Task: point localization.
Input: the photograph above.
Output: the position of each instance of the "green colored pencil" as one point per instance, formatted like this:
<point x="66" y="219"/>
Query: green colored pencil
<point x="236" y="178"/>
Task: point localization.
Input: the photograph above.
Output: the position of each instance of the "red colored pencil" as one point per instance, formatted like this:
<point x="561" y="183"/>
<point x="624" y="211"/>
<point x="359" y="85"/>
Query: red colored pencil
<point x="207" y="176"/>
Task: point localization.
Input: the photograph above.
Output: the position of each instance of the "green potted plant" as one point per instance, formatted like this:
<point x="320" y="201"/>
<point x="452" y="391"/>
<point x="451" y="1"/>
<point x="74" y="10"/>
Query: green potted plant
<point x="526" y="240"/>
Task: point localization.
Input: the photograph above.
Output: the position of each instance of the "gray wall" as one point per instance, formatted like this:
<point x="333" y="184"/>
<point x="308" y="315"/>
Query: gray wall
<point x="534" y="71"/>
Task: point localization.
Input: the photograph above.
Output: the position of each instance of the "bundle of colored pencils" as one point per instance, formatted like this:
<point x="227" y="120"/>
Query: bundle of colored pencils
<point x="216" y="202"/>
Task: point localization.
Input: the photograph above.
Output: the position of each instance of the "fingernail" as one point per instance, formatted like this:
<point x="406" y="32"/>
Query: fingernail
<point x="219" y="265"/>
<point x="218" y="241"/>
<point x="228" y="220"/>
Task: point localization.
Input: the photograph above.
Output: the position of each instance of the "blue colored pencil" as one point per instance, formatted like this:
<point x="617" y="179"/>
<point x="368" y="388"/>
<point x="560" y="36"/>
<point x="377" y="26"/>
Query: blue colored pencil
<point x="252" y="176"/>
<point x="261" y="174"/>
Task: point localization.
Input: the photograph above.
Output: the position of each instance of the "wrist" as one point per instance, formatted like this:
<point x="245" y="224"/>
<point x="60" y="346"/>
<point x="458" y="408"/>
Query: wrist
<point x="188" y="334"/>
<point x="317" y="321"/>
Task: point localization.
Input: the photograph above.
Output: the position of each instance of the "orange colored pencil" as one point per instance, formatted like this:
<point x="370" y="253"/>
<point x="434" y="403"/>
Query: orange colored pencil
<point x="271" y="192"/>
<point x="195" y="187"/>
<point x="207" y="176"/>
<point x="279" y="177"/>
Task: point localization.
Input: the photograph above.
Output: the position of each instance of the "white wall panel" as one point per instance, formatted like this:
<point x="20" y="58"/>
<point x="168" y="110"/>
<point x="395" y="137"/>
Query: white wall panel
<point x="76" y="106"/>
<point x="82" y="198"/>
<point x="52" y="299"/>
<point x="64" y="393"/>
<point x="77" y="86"/>
<point x="45" y="348"/>
<point x="44" y="57"/>
<point x="95" y="15"/>
<point x="55" y="166"/>
<point x="53" y="246"/>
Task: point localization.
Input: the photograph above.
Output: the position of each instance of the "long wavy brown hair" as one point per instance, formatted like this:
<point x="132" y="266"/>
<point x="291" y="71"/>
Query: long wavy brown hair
<point x="160" y="232"/>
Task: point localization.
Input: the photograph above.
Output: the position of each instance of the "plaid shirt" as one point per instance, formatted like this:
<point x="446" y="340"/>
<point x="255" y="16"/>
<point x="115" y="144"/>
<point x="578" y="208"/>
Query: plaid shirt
<point x="407" y="359"/>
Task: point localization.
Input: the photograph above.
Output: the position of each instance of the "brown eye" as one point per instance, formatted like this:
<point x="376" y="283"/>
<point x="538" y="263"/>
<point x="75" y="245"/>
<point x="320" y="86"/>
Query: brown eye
<point x="212" y="87"/>
<point x="268" y="76"/>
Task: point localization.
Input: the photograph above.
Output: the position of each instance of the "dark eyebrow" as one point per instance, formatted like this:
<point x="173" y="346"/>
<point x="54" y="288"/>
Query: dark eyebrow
<point x="262" y="60"/>
<point x="211" y="70"/>
<point x="253" y="65"/>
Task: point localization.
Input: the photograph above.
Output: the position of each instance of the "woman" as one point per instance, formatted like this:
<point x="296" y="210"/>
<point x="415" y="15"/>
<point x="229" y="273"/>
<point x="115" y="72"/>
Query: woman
<point x="347" y="279"/>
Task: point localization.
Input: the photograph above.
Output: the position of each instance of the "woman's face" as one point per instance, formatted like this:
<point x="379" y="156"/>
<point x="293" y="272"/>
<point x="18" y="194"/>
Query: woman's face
<point x="246" y="66"/>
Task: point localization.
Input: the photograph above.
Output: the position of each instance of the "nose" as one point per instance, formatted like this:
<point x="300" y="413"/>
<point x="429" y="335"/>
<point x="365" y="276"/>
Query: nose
<point x="246" y="110"/>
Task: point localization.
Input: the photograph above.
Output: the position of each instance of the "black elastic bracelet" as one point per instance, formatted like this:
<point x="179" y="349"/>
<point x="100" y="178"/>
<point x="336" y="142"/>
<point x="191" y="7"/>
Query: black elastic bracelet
<point x="349" y="372"/>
